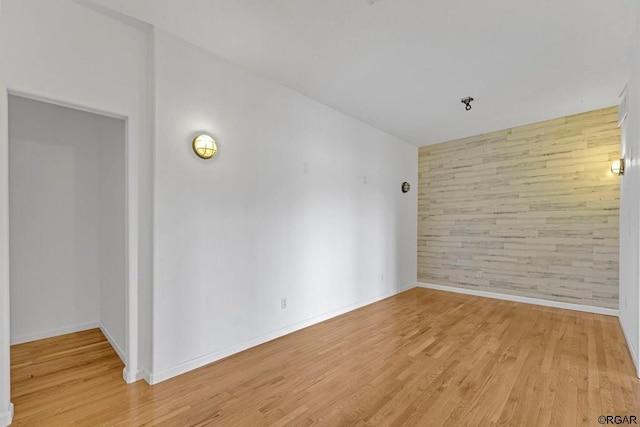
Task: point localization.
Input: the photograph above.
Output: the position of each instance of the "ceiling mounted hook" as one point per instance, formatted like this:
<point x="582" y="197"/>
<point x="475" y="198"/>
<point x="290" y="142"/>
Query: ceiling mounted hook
<point x="467" y="102"/>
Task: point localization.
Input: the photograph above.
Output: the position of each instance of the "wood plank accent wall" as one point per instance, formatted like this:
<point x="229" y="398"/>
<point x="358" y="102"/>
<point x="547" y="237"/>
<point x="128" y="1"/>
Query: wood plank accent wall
<point x="529" y="211"/>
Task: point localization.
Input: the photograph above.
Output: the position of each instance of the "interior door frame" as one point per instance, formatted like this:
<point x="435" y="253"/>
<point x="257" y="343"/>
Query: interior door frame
<point x="131" y="372"/>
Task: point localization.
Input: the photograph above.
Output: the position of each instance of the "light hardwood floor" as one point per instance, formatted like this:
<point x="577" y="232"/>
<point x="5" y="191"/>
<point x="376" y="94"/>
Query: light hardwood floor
<point x="423" y="357"/>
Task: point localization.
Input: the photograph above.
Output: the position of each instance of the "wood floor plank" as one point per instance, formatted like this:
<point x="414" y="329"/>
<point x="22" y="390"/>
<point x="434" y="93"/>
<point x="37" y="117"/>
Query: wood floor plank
<point x="423" y="357"/>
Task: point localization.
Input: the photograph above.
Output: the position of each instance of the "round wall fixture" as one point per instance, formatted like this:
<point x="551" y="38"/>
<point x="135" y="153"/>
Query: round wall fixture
<point x="405" y="187"/>
<point x="205" y="146"/>
<point x="617" y="167"/>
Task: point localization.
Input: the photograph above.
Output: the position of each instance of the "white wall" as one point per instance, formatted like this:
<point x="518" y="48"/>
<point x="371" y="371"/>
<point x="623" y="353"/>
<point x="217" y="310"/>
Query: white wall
<point x="6" y="408"/>
<point x="75" y="55"/>
<point x="235" y="234"/>
<point x="67" y="223"/>
<point x="53" y="209"/>
<point x="111" y="231"/>
<point x="630" y="213"/>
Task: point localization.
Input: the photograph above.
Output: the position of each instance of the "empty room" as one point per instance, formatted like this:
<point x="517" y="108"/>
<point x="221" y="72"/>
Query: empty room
<point x="334" y="213"/>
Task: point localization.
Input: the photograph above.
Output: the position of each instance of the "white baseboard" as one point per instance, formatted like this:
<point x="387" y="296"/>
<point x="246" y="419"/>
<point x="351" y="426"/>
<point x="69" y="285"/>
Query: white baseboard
<point x="525" y="300"/>
<point x="113" y="343"/>
<point x="145" y="375"/>
<point x="132" y="377"/>
<point x="156" y="377"/>
<point x="6" y="417"/>
<point x="54" y="332"/>
<point x="632" y="349"/>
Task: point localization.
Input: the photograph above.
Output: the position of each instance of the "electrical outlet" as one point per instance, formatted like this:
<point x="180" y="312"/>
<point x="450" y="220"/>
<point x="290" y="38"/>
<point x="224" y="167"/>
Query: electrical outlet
<point x="479" y="274"/>
<point x="283" y="303"/>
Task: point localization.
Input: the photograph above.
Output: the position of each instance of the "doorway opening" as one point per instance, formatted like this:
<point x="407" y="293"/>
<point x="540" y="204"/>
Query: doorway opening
<point x="68" y="223"/>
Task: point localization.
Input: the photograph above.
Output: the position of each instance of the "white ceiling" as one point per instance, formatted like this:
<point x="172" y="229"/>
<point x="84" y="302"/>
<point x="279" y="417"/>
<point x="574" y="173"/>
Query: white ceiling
<point x="403" y="65"/>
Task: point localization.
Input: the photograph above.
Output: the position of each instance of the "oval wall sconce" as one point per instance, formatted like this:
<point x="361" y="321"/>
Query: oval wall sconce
<point x="617" y="167"/>
<point x="205" y="146"/>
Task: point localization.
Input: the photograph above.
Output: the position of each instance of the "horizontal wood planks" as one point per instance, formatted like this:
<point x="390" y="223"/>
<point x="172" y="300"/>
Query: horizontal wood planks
<point x="529" y="211"/>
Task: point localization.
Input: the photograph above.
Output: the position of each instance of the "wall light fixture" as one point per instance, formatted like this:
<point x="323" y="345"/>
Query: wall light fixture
<point x="205" y="146"/>
<point x="617" y="167"/>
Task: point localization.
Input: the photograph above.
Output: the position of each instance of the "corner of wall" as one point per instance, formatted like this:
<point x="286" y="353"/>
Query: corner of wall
<point x="630" y="344"/>
<point x="147" y="209"/>
<point x="121" y="354"/>
<point x="131" y="377"/>
<point x="5" y="372"/>
<point x="6" y="417"/>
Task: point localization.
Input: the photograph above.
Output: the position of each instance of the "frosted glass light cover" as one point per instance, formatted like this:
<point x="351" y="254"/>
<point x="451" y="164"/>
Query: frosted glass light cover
<point x="205" y="146"/>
